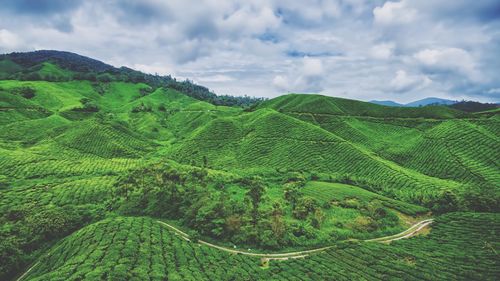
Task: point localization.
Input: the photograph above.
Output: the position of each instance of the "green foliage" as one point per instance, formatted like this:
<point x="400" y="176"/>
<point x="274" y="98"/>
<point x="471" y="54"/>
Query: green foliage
<point x="30" y="227"/>
<point x="349" y="196"/>
<point x="81" y="141"/>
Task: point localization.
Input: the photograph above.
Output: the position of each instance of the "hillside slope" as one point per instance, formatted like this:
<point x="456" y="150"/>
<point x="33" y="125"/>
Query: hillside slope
<point x="139" y="248"/>
<point x="101" y="154"/>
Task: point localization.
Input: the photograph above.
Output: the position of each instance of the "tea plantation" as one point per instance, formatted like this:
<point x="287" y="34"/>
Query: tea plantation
<point x="92" y="157"/>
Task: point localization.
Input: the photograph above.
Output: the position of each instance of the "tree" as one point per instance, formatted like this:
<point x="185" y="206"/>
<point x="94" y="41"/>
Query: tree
<point x="25" y="92"/>
<point x="481" y="198"/>
<point x="255" y="194"/>
<point x="318" y="218"/>
<point x="277" y="222"/>
<point x="292" y="194"/>
<point x="307" y="205"/>
<point x="233" y="223"/>
<point x="447" y="202"/>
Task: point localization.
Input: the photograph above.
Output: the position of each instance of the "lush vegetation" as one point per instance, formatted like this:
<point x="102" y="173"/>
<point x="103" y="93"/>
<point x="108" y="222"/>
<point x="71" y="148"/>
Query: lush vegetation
<point x="472" y="106"/>
<point x="92" y="156"/>
<point x="461" y="246"/>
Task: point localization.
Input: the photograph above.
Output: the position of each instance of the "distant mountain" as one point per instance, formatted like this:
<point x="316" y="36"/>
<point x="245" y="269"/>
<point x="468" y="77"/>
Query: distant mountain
<point x="430" y="101"/>
<point x="386" y="103"/>
<point x="66" y="60"/>
<point x="422" y="102"/>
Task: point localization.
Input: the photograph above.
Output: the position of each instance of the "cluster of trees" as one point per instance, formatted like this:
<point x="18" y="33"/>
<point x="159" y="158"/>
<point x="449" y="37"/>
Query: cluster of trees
<point x="66" y="60"/>
<point x="303" y="207"/>
<point x="203" y="203"/>
<point x="155" y="81"/>
<point x="473" y="106"/>
<point x="28" y="228"/>
<point x="144" y="108"/>
<point x="88" y="105"/>
<point x="26" y="92"/>
<point x="204" y="94"/>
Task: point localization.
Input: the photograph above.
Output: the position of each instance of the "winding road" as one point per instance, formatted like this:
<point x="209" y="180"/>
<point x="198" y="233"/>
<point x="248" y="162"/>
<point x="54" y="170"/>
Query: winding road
<point x="414" y="229"/>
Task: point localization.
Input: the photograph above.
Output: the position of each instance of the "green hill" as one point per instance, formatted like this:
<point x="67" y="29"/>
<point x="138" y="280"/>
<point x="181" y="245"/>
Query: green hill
<point x="322" y="105"/>
<point x="138" y="249"/>
<point x="91" y="156"/>
<point x="267" y="139"/>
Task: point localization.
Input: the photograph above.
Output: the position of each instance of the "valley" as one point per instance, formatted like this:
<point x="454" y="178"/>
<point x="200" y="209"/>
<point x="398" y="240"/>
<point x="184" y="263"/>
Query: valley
<point x="99" y="165"/>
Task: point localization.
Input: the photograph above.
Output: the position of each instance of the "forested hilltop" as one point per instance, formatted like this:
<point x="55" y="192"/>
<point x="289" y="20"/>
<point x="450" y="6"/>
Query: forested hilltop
<point x="111" y="174"/>
<point x="57" y="66"/>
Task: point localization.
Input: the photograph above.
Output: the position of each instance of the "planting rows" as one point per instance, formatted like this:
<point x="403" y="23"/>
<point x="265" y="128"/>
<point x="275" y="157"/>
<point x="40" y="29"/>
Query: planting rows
<point x="275" y="141"/>
<point x="65" y="192"/>
<point x="138" y="249"/>
<point x="104" y="141"/>
<point x="459" y="151"/>
<point x="32" y="167"/>
<point x="327" y="192"/>
<point x="461" y="246"/>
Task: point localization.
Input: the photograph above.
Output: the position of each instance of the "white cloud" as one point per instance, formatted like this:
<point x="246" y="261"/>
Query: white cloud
<point x="494" y="91"/>
<point x="382" y="51"/>
<point x="156" y="68"/>
<point x="404" y="82"/>
<point x="250" y="21"/>
<point x="308" y="77"/>
<point x="214" y="78"/>
<point x="260" y="47"/>
<point x="8" y="40"/>
<point x="281" y="82"/>
<point x="312" y="67"/>
<point x="394" y="13"/>
<point x="449" y="59"/>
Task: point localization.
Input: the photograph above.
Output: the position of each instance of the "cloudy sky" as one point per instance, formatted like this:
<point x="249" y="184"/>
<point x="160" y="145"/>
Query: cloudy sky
<point x="399" y="50"/>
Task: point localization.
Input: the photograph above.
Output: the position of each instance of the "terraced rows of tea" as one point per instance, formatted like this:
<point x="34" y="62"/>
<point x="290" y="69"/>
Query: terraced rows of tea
<point x="334" y="192"/>
<point x="286" y="143"/>
<point x="88" y="165"/>
<point x="68" y="191"/>
<point x="142" y="249"/>
<point x="138" y="249"/>
<point x="460" y="246"/>
<point x="460" y="150"/>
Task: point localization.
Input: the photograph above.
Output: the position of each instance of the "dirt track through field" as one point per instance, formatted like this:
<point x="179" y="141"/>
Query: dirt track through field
<point x="414" y="229"/>
<point x="299" y="254"/>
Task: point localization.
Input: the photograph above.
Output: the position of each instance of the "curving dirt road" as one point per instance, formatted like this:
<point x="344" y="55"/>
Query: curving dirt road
<point x="276" y="256"/>
<point x="300" y="254"/>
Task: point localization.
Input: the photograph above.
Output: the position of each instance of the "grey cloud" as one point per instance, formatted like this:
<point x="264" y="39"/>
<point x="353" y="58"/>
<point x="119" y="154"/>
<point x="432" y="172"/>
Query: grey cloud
<point x="52" y="13"/>
<point x="460" y="10"/>
<point x="141" y="13"/>
<point x="258" y="47"/>
<point x="40" y="7"/>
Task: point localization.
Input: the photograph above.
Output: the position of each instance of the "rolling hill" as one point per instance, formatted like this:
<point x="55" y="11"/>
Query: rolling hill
<point x="93" y="156"/>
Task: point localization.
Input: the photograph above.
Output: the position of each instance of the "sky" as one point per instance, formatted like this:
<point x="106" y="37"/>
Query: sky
<point x="360" y="49"/>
